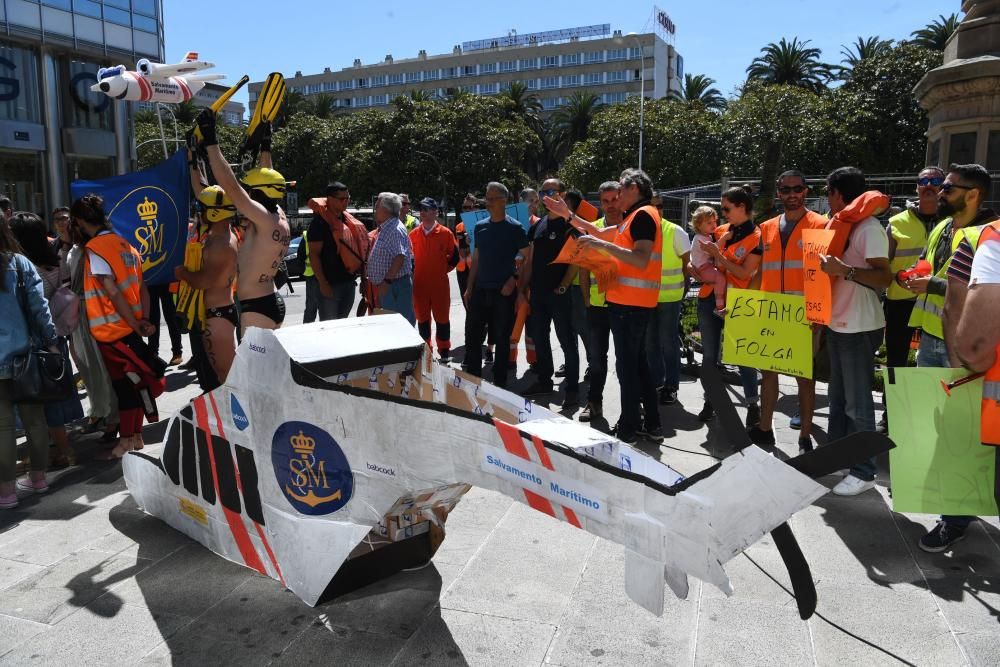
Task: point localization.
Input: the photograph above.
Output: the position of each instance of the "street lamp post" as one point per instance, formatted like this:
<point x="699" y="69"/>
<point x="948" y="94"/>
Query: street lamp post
<point x="642" y="89"/>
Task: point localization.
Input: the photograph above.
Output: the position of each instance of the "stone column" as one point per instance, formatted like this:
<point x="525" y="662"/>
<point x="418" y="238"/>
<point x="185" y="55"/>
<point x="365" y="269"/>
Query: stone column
<point x="962" y="96"/>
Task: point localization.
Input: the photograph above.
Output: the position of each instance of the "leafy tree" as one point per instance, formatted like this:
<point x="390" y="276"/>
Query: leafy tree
<point x="322" y="105"/>
<point x="791" y="63"/>
<point x="864" y="48"/>
<point x="422" y="95"/>
<point x="295" y="102"/>
<point x="148" y="130"/>
<point x="936" y="34"/>
<point x="185" y="112"/>
<point x="699" y="89"/>
<point x="526" y="104"/>
<point x="572" y="120"/>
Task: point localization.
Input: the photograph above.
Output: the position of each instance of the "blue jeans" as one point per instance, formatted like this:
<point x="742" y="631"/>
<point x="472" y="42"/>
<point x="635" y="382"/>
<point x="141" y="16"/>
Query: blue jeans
<point x="628" y="328"/>
<point x="710" y="326"/>
<point x="339" y="305"/>
<point x="599" y="329"/>
<point x="663" y="345"/>
<point x="547" y="309"/>
<point x="852" y="407"/>
<point x="399" y="298"/>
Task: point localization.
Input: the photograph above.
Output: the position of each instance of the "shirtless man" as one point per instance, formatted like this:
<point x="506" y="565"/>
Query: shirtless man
<point x="267" y="235"/>
<point x="216" y="276"/>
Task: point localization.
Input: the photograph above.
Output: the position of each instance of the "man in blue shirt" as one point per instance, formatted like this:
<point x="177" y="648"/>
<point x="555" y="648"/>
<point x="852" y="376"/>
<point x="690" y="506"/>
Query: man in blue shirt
<point x="390" y="263"/>
<point x="494" y="284"/>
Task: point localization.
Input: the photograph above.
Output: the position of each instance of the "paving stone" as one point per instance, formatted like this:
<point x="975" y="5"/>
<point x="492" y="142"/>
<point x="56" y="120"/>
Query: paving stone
<point x="460" y="638"/>
<point x="970" y="604"/>
<point x="331" y="645"/>
<point x="748" y="632"/>
<point x="139" y="533"/>
<point x="528" y="568"/>
<point x="749" y="582"/>
<point x="104" y="633"/>
<point x="16" y="631"/>
<point x="981" y="648"/>
<point x="13" y="571"/>
<point x="50" y="541"/>
<point x="72" y="583"/>
<point x="471" y="522"/>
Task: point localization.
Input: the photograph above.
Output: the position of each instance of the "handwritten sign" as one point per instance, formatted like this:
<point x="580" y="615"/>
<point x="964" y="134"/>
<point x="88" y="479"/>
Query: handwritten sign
<point x="473" y="219"/>
<point x="601" y="265"/>
<point x="769" y="331"/>
<point x="818" y="289"/>
<point x="939" y="465"/>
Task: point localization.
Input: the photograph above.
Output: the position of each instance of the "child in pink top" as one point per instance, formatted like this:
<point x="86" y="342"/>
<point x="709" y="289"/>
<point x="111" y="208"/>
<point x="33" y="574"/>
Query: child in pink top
<point x="704" y="221"/>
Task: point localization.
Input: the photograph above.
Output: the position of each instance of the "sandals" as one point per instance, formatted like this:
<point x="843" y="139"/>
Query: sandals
<point x="60" y="461"/>
<point x="124" y="446"/>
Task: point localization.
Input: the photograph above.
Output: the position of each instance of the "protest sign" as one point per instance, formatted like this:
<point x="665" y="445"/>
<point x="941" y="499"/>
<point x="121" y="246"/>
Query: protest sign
<point x="818" y="290"/>
<point x="472" y="219"/>
<point x="939" y="465"/>
<point x="601" y="265"/>
<point x="769" y="331"/>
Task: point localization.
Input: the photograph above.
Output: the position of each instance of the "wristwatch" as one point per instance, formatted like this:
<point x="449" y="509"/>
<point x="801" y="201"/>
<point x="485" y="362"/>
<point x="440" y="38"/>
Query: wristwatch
<point x="561" y="289"/>
<point x="850" y="274"/>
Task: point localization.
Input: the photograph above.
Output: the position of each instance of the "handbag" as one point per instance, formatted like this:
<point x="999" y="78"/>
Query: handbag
<point x="64" y="304"/>
<point x="38" y="375"/>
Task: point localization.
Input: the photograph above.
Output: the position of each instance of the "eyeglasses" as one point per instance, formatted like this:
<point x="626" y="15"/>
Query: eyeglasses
<point x="948" y="187"/>
<point x="548" y="193"/>
<point x="936" y="181"/>
<point x="788" y="189"/>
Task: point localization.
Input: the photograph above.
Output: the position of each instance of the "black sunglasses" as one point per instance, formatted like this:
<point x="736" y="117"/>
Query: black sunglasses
<point x="787" y="189"/>
<point x="924" y="181"/>
<point x="549" y="193"/>
<point x="948" y="187"/>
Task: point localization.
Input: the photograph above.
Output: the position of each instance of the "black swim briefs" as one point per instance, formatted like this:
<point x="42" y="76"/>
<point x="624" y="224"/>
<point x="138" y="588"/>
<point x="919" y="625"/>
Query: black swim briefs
<point x="270" y="305"/>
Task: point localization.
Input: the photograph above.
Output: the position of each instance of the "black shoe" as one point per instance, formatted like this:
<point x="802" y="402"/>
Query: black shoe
<point x="707" y="413"/>
<point x="444" y="355"/>
<point x="651" y="434"/>
<point x="593" y="411"/>
<point x="627" y="438"/>
<point x="668" y="396"/>
<point x="941" y="537"/>
<point x="805" y="444"/>
<point x="753" y="415"/>
<point x="561" y="373"/>
<point x="487" y="356"/>
<point x="538" y="387"/>
<point x="760" y="437"/>
<point x="586" y="375"/>
<point x="571" y="400"/>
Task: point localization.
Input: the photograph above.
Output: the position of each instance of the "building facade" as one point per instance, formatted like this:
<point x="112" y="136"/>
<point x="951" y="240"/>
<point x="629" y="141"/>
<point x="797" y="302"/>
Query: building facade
<point x="53" y="128"/>
<point x="553" y="65"/>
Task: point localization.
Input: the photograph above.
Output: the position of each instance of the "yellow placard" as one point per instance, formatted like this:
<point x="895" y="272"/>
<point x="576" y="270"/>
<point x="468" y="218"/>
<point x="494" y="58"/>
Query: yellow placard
<point x="769" y="331"/>
<point x="194" y="511"/>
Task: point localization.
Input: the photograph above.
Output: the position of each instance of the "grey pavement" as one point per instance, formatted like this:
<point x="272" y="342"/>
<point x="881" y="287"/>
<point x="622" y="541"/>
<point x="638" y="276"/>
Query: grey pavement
<point x="88" y="579"/>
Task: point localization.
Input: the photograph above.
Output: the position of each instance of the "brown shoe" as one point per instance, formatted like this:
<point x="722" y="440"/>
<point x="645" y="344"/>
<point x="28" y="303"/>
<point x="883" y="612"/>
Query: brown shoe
<point x="594" y="410"/>
<point x="176" y="360"/>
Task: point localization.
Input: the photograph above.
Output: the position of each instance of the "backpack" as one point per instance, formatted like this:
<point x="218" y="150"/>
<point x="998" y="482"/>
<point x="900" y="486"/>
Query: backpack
<point x="350" y="235"/>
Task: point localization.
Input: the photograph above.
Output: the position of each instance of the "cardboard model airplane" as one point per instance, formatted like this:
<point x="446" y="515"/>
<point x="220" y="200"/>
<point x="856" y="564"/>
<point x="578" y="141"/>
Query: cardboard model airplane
<point x="155" y="82"/>
<point x="334" y="452"/>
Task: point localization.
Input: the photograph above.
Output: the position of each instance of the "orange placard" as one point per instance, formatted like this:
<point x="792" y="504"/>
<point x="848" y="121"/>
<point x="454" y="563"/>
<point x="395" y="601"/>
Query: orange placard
<point x="601" y="265"/>
<point x="818" y="289"/>
<point x="587" y="211"/>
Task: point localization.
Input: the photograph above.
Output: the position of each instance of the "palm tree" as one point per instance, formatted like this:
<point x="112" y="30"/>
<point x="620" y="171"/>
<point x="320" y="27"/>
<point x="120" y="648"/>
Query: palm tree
<point x="186" y="112"/>
<point x="526" y="104"/>
<point x="418" y="95"/>
<point x="792" y="63"/>
<point x="294" y="103"/>
<point x="321" y="106"/>
<point x="936" y="34"/>
<point x="145" y="116"/>
<point x="863" y="49"/>
<point x="572" y="120"/>
<point x="698" y="89"/>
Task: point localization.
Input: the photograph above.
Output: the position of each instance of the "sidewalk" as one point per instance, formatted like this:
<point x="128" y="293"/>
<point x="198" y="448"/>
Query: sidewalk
<point x="86" y="578"/>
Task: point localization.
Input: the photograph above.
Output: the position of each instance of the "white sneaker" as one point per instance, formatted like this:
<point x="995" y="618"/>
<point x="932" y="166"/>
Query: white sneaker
<point x="852" y="486"/>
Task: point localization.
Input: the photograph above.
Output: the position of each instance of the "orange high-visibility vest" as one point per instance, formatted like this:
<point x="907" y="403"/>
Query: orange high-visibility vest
<point x="781" y="268"/>
<point x="106" y="325"/>
<point x="736" y="253"/>
<point x="990" y="421"/>
<point x="463" y="264"/>
<point x="635" y="286"/>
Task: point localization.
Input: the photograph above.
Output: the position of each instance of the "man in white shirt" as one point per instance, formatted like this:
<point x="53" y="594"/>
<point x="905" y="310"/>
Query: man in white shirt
<point x="856" y="323"/>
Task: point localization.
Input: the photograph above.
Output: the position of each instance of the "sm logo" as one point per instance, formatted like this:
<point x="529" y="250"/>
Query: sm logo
<point x="311" y="469"/>
<point x="148" y="217"/>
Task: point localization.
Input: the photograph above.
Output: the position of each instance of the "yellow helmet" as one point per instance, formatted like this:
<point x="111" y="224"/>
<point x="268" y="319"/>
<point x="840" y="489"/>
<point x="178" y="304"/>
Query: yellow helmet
<point x="216" y="204"/>
<point x="268" y="181"/>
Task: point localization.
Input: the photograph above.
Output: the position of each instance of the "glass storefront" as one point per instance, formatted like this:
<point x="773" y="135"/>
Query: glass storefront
<point x="21" y="180"/>
<point x="19" y="85"/>
<point x="82" y="107"/>
<point x="89" y="168"/>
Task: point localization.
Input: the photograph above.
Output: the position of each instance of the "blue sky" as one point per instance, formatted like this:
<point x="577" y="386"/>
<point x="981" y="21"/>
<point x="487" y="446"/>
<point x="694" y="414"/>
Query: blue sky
<point x="718" y="38"/>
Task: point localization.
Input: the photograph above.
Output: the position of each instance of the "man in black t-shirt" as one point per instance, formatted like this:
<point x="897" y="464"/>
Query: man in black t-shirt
<point x="494" y="284"/>
<point x="336" y="285"/>
<point x="551" y="301"/>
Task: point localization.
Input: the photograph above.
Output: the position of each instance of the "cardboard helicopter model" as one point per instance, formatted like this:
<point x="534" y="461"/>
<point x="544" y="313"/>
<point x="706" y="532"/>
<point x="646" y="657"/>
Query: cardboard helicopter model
<point x="155" y="82"/>
<point x="335" y="450"/>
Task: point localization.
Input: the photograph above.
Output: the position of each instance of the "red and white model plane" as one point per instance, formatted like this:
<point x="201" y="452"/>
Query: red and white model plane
<point x="155" y="82"/>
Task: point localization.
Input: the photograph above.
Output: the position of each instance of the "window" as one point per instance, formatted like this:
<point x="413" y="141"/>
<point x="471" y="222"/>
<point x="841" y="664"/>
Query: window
<point x="470" y="89"/>
<point x="636" y="75"/>
<point x="571" y="80"/>
<point x="468" y="70"/>
<point x="431" y="75"/>
<point x="59" y="4"/>
<point x="380" y="100"/>
<point x="614" y="98"/>
<point x="449" y="72"/>
<point x="117" y="16"/>
<point x="571" y="59"/>
<point x="550" y="103"/>
<point x="121" y="4"/>
<point x="593" y="79"/>
<point x="616" y="54"/>
<point x="345" y="102"/>
<point x="362" y="83"/>
<point x="378" y="80"/>
<point x="550" y="61"/>
<point x="345" y="85"/>
<point x="329" y="86"/>
<point x="488" y="68"/>
<point x="144" y="23"/>
<point x="550" y="82"/>
<point x="396" y="79"/>
<point x="19" y="92"/>
<point x="593" y="57"/>
<point x="615" y="77"/>
<point x="680" y="71"/>
<point x="87" y="8"/>
<point x="87" y="109"/>
<point x="992" y="151"/>
<point x="313" y="88"/>
<point x="532" y="84"/>
<point x="413" y="77"/>
<point x="361" y="101"/>
<point x="634" y="53"/>
<point x="489" y="88"/>
<point x="147" y="7"/>
<point x="962" y="148"/>
<point x="529" y="63"/>
<point x="508" y="66"/>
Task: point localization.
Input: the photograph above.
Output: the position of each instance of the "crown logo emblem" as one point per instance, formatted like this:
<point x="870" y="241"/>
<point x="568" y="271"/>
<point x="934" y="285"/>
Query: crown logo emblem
<point x="303" y="444"/>
<point x="147" y="209"/>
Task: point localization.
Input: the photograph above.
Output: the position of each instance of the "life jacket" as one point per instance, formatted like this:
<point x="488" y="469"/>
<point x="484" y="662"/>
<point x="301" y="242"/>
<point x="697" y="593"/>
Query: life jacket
<point x="781" y="268"/>
<point x="463" y="240"/>
<point x="928" y="307"/>
<point x="106" y="325"/>
<point x="990" y="419"/>
<point x="910" y="234"/>
<point x="597" y="297"/>
<point x="671" y="267"/>
<point x="350" y="235"/>
<point x="638" y="286"/>
<point x="736" y="253"/>
<point x="871" y="203"/>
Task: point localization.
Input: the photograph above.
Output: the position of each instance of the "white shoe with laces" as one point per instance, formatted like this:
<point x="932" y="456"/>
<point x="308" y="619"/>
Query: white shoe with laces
<point x="852" y="486"/>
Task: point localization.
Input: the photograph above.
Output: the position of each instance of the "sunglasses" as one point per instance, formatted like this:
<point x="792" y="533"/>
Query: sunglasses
<point x="549" y="193"/>
<point x="788" y="189"/>
<point x="936" y="181"/>
<point x="948" y="187"/>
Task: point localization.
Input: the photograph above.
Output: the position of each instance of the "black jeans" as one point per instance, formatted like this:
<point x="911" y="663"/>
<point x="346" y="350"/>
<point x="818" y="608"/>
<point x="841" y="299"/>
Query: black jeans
<point x="488" y="308"/>
<point x="628" y="327"/>
<point x="548" y="308"/>
<point x="898" y="332"/>
<point x="160" y="295"/>
<point x="599" y="330"/>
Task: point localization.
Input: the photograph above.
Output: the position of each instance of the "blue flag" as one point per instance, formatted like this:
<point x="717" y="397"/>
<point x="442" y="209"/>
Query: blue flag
<point x="149" y="209"/>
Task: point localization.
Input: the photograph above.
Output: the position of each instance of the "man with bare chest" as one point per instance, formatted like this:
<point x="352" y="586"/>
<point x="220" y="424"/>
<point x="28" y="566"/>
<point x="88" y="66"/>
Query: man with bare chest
<point x="267" y="231"/>
<point x="216" y="277"/>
